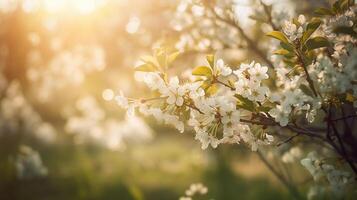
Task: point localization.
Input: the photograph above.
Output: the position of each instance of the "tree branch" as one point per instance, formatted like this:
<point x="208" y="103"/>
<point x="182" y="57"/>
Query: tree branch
<point x="253" y="47"/>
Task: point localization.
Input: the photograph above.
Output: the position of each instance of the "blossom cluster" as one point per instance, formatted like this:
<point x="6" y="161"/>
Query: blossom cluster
<point x="293" y="30"/>
<point x="89" y="124"/>
<point x="207" y="114"/>
<point x="29" y="164"/>
<point x="194" y="190"/>
<point x="311" y="75"/>
<point x="17" y="114"/>
<point x="67" y="68"/>
<point x="320" y="170"/>
<point x="198" y="29"/>
<point x="219" y="96"/>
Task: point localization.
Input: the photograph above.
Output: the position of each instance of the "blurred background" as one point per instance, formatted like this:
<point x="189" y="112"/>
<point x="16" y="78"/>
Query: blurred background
<point x="61" y="135"/>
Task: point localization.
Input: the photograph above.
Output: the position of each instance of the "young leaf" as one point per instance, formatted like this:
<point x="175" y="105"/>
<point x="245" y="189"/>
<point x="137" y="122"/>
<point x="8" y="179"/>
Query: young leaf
<point x="146" y="67"/>
<point x="278" y="35"/>
<point x="350" y="97"/>
<point x="211" y="90"/>
<point x="202" y="71"/>
<point x="281" y="52"/>
<point x="149" y="59"/>
<point x="258" y="18"/>
<point x="306" y="90"/>
<point x="311" y="28"/>
<point x="245" y="103"/>
<point x="345" y="30"/>
<point x="287" y="46"/>
<point x="317" y="42"/>
<point x="162" y="59"/>
<point x="210" y="60"/>
<point x="336" y="6"/>
<point x="264" y="109"/>
<point x="323" y="11"/>
<point x="173" y="56"/>
<point x="344" y="5"/>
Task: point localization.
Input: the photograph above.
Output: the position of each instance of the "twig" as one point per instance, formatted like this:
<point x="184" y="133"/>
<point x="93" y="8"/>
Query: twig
<point x="288" y="140"/>
<point x="280" y="177"/>
<point x="240" y="30"/>
<point x="343" y="118"/>
<point x="268" y="13"/>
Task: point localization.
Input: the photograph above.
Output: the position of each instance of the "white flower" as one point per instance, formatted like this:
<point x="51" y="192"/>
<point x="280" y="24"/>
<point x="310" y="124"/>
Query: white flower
<point x="153" y="80"/>
<point x="292" y="155"/>
<point x="174" y="92"/>
<point x="301" y="19"/>
<point x="174" y="120"/>
<point x="185" y="198"/>
<point x="196" y="188"/>
<point x="243" y="87"/>
<point x="230" y="118"/>
<point x="280" y="115"/>
<point x="29" y="164"/>
<point x="195" y="90"/>
<point x="258" y="72"/>
<point x="249" y="81"/>
<point x="292" y="30"/>
<point x="121" y="100"/>
<point x="310" y="115"/>
<point x="313" y="165"/>
<point x="206" y="139"/>
<point x="222" y="69"/>
<point x="269" y="138"/>
<point x="258" y="94"/>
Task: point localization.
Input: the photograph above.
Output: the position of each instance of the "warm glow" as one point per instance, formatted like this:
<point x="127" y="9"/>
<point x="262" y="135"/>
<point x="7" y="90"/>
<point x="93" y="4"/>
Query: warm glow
<point x="58" y="6"/>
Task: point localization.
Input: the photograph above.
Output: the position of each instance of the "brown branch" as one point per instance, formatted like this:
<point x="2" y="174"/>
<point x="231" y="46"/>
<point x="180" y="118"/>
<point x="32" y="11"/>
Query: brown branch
<point x="343" y="118"/>
<point x="343" y="153"/>
<point x="280" y="177"/>
<point x="269" y="15"/>
<point x="253" y="47"/>
<point x="288" y="140"/>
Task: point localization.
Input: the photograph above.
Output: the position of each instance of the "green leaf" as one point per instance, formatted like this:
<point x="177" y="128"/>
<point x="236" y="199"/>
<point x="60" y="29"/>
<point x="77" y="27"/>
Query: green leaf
<point x="210" y="60"/>
<point x="146" y="67"/>
<point x="306" y="90"/>
<point x="345" y="30"/>
<point x="245" y="103"/>
<point x="202" y="71"/>
<point x="173" y="56"/>
<point x="311" y="28"/>
<point x="278" y="35"/>
<point x="317" y="42"/>
<point x="296" y="22"/>
<point x="264" y="109"/>
<point x="258" y="18"/>
<point x="350" y="97"/>
<point x="287" y="46"/>
<point x="344" y="5"/>
<point x="211" y="90"/>
<point x="162" y="59"/>
<point x="336" y="6"/>
<point x="290" y="62"/>
<point x="323" y="11"/>
<point x="281" y="52"/>
<point x="149" y="59"/>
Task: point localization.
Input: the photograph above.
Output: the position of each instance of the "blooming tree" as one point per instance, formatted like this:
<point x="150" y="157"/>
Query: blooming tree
<point x="305" y="89"/>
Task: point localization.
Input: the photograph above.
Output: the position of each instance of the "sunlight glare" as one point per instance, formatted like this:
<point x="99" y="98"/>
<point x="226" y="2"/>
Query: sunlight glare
<point x="85" y="6"/>
<point x="80" y="6"/>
